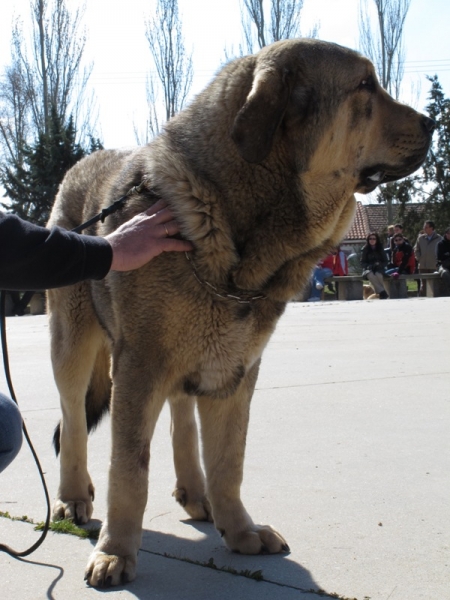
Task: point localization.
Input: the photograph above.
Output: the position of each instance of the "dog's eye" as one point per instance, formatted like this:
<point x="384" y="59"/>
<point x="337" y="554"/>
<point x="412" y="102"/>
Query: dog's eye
<point x="367" y="84"/>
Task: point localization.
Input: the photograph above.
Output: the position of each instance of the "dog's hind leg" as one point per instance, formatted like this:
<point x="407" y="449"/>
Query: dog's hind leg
<point x="224" y="431"/>
<point x="190" y="485"/>
<point x="76" y="341"/>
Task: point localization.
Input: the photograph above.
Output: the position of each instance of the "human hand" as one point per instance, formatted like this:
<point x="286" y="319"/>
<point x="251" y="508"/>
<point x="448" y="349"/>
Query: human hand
<point x="145" y="236"/>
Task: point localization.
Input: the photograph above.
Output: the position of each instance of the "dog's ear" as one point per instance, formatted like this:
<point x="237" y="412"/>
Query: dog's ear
<point x="258" y="120"/>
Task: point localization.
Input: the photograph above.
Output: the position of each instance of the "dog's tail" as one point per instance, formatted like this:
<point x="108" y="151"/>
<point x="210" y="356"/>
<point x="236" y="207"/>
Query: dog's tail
<point x="98" y="396"/>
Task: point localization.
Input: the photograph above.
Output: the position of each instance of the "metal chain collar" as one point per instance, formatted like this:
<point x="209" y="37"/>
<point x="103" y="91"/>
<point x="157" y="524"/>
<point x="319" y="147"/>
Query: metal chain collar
<point x="244" y="298"/>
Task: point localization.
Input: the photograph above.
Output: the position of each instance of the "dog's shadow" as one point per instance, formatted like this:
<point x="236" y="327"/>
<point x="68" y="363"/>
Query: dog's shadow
<point x="173" y="568"/>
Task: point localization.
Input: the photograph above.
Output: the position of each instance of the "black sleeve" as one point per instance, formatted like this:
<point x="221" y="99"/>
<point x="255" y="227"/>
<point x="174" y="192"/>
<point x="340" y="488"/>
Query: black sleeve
<point x="36" y="258"/>
<point x="364" y="262"/>
<point x="443" y="254"/>
<point x="439" y="252"/>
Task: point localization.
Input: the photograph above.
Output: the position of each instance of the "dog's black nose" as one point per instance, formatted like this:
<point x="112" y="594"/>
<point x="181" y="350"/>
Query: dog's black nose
<point x="430" y="124"/>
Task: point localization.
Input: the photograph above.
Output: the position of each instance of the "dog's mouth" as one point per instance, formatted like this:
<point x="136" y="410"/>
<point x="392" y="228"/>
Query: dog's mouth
<point x="372" y="177"/>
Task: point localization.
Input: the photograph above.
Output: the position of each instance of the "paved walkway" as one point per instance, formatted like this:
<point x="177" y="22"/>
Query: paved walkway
<point x="348" y="457"/>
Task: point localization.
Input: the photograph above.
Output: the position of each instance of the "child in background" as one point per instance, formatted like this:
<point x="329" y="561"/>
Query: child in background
<point x="333" y="264"/>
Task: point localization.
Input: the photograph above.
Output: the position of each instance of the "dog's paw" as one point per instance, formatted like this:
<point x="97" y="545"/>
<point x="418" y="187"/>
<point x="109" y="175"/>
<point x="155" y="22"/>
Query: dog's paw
<point x="80" y="510"/>
<point x="198" y="508"/>
<point x="259" y="539"/>
<point x="104" y="570"/>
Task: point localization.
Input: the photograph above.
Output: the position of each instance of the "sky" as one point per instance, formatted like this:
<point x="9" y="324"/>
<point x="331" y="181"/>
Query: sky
<point x="119" y="51"/>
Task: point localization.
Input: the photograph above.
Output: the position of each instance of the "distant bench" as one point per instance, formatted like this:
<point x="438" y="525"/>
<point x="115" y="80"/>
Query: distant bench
<point x="350" y="287"/>
<point x="28" y="302"/>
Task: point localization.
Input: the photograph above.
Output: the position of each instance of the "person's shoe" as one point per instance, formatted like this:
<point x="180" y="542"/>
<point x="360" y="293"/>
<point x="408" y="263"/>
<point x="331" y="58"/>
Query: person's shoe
<point x="319" y="286"/>
<point x="384" y="295"/>
<point x="330" y="286"/>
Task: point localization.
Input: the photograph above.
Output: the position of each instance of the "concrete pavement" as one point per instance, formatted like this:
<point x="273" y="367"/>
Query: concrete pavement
<point x="347" y="456"/>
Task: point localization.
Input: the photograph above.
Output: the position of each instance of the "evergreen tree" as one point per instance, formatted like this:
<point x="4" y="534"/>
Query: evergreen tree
<point x="32" y="184"/>
<point x="436" y="169"/>
<point x="431" y="185"/>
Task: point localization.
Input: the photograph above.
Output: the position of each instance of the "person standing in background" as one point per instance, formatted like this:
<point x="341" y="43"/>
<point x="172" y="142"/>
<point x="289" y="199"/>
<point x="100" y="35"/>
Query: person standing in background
<point x="425" y="252"/>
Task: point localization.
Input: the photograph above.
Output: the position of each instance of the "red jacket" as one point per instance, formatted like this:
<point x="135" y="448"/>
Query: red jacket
<point x="336" y="262"/>
<point x="327" y="262"/>
<point x="340" y="264"/>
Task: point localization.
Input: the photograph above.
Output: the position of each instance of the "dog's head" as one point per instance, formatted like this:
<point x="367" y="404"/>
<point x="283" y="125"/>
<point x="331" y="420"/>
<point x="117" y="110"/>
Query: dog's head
<point x="327" y="100"/>
<point x="280" y="141"/>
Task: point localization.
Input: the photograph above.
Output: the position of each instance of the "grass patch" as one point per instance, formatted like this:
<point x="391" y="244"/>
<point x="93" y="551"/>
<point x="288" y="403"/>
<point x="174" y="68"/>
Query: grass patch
<point x="24" y="519"/>
<point x="66" y="526"/>
<point x="411" y="285"/>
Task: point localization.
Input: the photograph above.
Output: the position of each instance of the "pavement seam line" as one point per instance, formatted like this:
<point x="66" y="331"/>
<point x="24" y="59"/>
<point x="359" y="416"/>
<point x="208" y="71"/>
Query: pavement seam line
<point x="302" y="385"/>
<point x="249" y="575"/>
<point x="255" y="575"/>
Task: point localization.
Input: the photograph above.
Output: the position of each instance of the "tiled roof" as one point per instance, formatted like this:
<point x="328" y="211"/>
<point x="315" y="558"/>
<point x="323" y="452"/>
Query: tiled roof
<point x="372" y="217"/>
<point x="360" y="227"/>
<point x="377" y="217"/>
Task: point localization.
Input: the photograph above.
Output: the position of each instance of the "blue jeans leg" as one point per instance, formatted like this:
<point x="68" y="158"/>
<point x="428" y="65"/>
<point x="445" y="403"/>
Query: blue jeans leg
<point x="319" y="275"/>
<point x="10" y="431"/>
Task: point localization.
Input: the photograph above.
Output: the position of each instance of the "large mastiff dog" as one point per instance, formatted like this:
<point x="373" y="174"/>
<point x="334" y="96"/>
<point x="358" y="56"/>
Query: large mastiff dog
<point x="260" y="173"/>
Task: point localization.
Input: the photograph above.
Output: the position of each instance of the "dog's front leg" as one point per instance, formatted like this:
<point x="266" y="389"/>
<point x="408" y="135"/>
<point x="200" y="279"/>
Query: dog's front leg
<point x="75" y="342"/>
<point x="224" y="432"/>
<point x="190" y="486"/>
<point x="114" y="558"/>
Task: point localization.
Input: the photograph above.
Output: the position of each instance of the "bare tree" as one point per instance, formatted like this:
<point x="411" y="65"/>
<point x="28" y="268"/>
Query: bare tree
<point x="173" y="67"/>
<point x="45" y="123"/>
<point x="44" y="75"/>
<point x="14" y="122"/>
<point x="384" y="44"/>
<point x="283" y="23"/>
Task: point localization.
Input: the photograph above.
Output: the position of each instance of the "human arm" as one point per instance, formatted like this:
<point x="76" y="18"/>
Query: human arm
<point x="383" y="260"/>
<point x="35" y="258"/>
<point x="417" y="251"/>
<point x="364" y="258"/>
